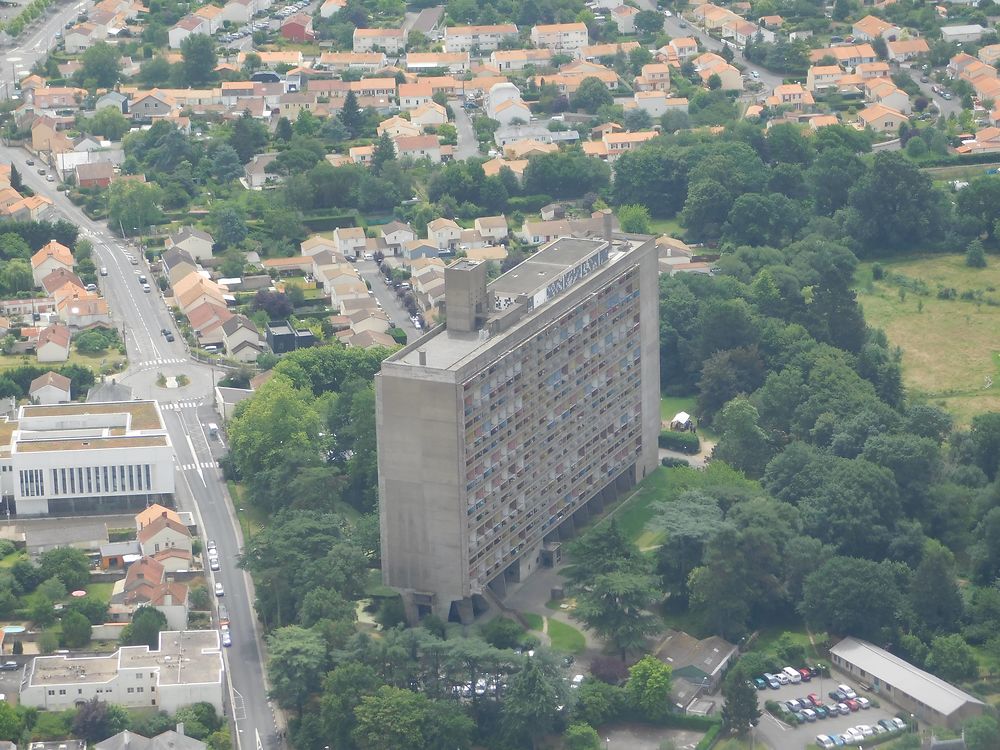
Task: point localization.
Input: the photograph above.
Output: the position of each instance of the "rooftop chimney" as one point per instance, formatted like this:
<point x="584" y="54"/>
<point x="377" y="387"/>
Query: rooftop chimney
<point x="608" y="225"/>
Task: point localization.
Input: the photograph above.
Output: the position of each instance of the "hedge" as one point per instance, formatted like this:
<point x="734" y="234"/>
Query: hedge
<point x="326" y="222"/>
<point x="528" y="203"/>
<point x="687" y="721"/>
<point x="685" y="442"/>
<point x="709" y="739"/>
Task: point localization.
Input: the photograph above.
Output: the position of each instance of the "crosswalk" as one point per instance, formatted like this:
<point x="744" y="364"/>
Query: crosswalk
<point x="179" y="405"/>
<point x="194" y="467"/>
<point x="161" y="361"/>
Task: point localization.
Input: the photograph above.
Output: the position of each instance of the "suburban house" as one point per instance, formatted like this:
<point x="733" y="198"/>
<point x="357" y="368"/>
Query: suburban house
<point x="881" y="119"/>
<point x="413" y="95"/>
<point x="184" y="28"/>
<point x="81" y="309"/>
<point x="519" y="59"/>
<point x="146" y="584"/>
<point x="169" y="740"/>
<point x="444" y="234"/>
<point x="492" y="227"/>
<point x="211" y="14"/>
<point x="654" y="77"/>
<point x="624" y="18"/>
<point x="418" y="147"/>
<point x="901" y="50"/>
<point x="350" y="240"/>
<point x="194" y="290"/>
<point x="177" y="264"/>
<point x="419" y="248"/>
<point x="657" y="103"/>
<point x="53" y="343"/>
<point x="206" y="320"/>
<point x="871" y="27"/>
<point x="195" y="242"/>
<point x="255" y="173"/>
<point x="562" y="37"/>
<point x="453" y="62"/>
<point x="50" y="388"/>
<point x="614" y="144"/>
<point x="684" y="47"/>
<point x="961" y="34"/>
<point x="59" y="278"/>
<point x="151" y="104"/>
<point x="396" y="234"/>
<point x="848" y="56"/>
<point x="51" y="256"/>
<point x="163" y="532"/>
<point x="484" y="38"/>
<point x="316" y="244"/>
<point x="390" y="41"/>
<point x="791" y="95"/>
<point x="298" y="28"/>
<point x="512" y="111"/>
<point x="429" y="114"/>
<point x="242" y="339"/>
<point x="95" y="174"/>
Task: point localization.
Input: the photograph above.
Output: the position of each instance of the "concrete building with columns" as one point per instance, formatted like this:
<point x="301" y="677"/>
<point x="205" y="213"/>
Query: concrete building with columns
<point x="533" y="406"/>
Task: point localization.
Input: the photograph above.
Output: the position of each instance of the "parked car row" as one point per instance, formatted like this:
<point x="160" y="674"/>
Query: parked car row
<point x="854" y="735"/>
<point x="811" y="708"/>
<point x="787" y="676"/>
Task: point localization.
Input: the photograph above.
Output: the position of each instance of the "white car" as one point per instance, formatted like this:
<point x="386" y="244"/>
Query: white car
<point x="854" y="734"/>
<point x="825" y="742"/>
<point x="866" y="731"/>
<point x="900" y="724"/>
<point x="213" y="563"/>
<point x="864" y="703"/>
<point x="847" y="691"/>
<point x="219" y="591"/>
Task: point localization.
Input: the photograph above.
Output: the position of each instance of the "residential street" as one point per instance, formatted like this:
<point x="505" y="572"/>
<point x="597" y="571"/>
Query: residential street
<point x="944" y="106"/>
<point x="200" y="488"/>
<point x="468" y="146"/>
<point x="387" y="298"/>
<point x="37" y="42"/>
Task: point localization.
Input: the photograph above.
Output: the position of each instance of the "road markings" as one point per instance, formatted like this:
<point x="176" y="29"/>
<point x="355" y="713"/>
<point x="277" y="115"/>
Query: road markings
<point x="178" y="405"/>
<point x="196" y="466"/>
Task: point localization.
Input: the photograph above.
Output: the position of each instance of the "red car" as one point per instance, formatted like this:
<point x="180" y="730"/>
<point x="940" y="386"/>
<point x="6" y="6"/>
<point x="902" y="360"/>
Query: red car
<point x="852" y="704"/>
<point x="806" y="675"/>
<point x="815" y="699"/>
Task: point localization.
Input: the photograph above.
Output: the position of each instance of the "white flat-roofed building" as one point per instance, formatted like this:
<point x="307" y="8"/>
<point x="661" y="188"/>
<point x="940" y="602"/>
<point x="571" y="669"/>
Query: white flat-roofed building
<point x="72" y="459"/>
<point x="185" y="669"/>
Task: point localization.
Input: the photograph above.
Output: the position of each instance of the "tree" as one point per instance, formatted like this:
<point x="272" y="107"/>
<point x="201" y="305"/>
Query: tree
<point x="841" y="9"/>
<point x="91" y="342"/>
<point x="96" y="720"/>
<point x="75" y="630"/>
<point x="199" y="59"/>
<point x="11" y="724"/>
<point x="226" y="165"/>
<point x="155" y="72"/>
<point x="133" y="206"/>
<point x="591" y="95"/>
<point x="249" y="137"/>
<point x="100" y="66"/>
<point x="15" y="179"/>
<point x="68" y="564"/>
<point x="351" y="115"/>
<point x="743" y="444"/>
<point x="975" y="255"/>
<point x="343" y="689"/>
<point x="565" y="174"/>
<point x="502" y="632"/>
<point x="638" y="119"/>
<point x="952" y="659"/>
<point x="979" y="203"/>
<point x="714" y="82"/>
<point x="648" y="688"/>
<point x="230" y="226"/>
<point x="740" y="711"/>
<point x="634" y="218"/>
<point x="851" y="595"/>
<point x="394" y="718"/>
<point x="15" y="276"/>
<point x="13" y="245"/>
<point x="648" y="22"/>
<point x="52" y="589"/>
<point x="296" y="661"/>
<point x="384" y="152"/>
<point x="145" y="628"/>
<point x="616" y="606"/>
<point x="109" y="122"/>
<point x="530" y="707"/>
<point x="981" y="733"/>
<point x="581" y="737"/>
<point x="934" y="594"/>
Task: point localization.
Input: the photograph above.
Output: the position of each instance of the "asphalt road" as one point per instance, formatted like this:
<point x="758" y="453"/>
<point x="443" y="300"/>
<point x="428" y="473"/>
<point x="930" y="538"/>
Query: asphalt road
<point x="387" y="298"/>
<point x="672" y="26"/>
<point x="944" y="106"/>
<point x="35" y="43"/>
<point x="468" y="146"/>
<point x="200" y="488"/>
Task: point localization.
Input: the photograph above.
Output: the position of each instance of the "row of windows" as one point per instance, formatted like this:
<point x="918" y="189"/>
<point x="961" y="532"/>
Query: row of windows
<point x="32" y="483"/>
<point x="91" y="479"/>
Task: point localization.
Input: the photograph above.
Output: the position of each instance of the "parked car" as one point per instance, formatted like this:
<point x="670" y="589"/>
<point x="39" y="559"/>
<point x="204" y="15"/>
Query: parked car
<point x="227" y="640"/>
<point x="213" y="563"/>
<point x="852" y="704"/>
<point x="843" y="709"/>
<point x="837" y="695"/>
<point x="888" y="724"/>
<point x="219" y="591"/>
<point x="793" y="705"/>
<point x="821" y="712"/>
<point x="9" y="666"/>
<point x="854" y="734"/>
<point x="846" y="690"/>
<point x="825" y="742"/>
<point x="900" y="724"/>
<point x="809" y="714"/>
<point x="814" y="699"/>
<point x="772" y="681"/>
<point x="760" y="683"/>
<point x="866" y="731"/>
<point x="864" y="703"/>
<point x="806" y="674"/>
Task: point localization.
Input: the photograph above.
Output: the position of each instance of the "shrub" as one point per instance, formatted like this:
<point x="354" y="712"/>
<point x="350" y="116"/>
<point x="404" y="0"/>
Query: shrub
<point x="684" y="442"/>
<point x="582" y="737"/>
<point x="673" y="463"/>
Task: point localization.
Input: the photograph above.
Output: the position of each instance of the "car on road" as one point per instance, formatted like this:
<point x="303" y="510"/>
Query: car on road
<point x="146" y="288"/>
<point x="41" y="170"/>
<point x="924" y="79"/>
<point x="211" y="542"/>
<point x="682" y="25"/>
<point x="227" y="641"/>
<point x="165" y="331"/>
<point x="30" y="162"/>
<point x="754" y="74"/>
<point x="50" y="178"/>
<point x="213" y="563"/>
<point x="219" y="591"/>
<point x="9" y="666"/>
<point x="104" y="270"/>
<point x="169" y="337"/>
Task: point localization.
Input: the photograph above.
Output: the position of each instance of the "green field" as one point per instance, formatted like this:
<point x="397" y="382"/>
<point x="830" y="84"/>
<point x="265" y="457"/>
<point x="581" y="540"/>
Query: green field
<point x="535" y="622"/>
<point x="670" y="405"/>
<point x="565" y="637"/>
<point x="950" y="346"/>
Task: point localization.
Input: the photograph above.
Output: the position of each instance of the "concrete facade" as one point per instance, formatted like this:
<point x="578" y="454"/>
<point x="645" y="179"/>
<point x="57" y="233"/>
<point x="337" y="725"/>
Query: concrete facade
<point x="536" y="404"/>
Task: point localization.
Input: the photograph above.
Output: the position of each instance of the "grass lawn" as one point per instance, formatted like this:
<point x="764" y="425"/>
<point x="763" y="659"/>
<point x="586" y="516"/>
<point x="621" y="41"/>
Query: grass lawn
<point x="112" y="359"/>
<point x="665" y="484"/>
<point x="949" y="346"/>
<point x="666" y="226"/>
<point x="100" y="591"/>
<point x="535" y="622"/>
<point x="670" y="405"/>
<point x="8" y="562"/>
<point x="565" y="637"/>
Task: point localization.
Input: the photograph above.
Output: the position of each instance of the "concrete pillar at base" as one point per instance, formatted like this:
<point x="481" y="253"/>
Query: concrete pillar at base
<point x="466" y="614"/>
<point x="499" y="586"/>
<point x="410" y="609"/>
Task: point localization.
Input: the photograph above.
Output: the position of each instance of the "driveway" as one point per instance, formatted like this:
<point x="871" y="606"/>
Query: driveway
<point x="780" y="736"/>
<point x="387" y="298"/>
<point x="944" y="106"/>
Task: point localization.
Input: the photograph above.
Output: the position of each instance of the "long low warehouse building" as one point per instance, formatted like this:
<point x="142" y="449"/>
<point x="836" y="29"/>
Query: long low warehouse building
<point x="930" y="699"/>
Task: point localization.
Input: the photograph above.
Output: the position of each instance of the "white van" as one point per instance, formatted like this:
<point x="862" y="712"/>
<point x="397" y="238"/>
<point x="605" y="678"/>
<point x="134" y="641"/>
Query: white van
<point x="213" y="430"/>
<point x="794" y="676"/>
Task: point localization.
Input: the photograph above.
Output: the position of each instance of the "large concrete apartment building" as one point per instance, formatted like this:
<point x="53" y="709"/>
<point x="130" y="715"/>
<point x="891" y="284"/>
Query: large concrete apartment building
<point x="535" y="404"/>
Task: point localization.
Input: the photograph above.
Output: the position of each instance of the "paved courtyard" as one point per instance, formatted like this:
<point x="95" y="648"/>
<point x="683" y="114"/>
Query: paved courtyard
<point x="639" y="737"/>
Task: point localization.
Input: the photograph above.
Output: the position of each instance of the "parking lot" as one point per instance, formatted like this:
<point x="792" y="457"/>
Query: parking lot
<point x="10" y="682"/>
<point x="781" y="736"/>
